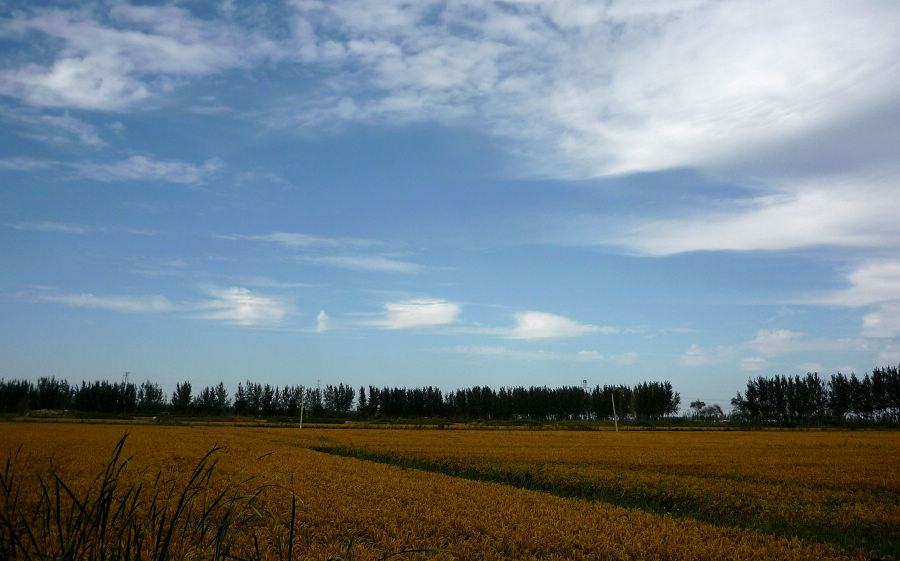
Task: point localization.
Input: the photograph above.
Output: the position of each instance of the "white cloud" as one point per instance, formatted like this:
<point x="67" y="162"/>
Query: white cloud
<point x="322" y="322"/>
<point x="417" y="313"/>
<point x="883" y="322"/>
<point x="49" y="226"/>
<point x="240" y="306"/>
<point x="314" y="247"/>
<point x="582" y="89"/>
<point x="141" y="168"/>
<point x="237" y="306"/>
<point x="299" y="240"/>
<point x="26" y="164"/>
<point x="771" y="342"/>
<point x="604" y="88"/>
<point x="126" y="304"/>
<point x="376" y="263"/>
<point x="135" y="168"/>
<point x="540" y="325"/>
<point x="133" y="54"/>
<point x="871" y="283"/>
<point x="853" y="210"/>
<point x="54" y="128"/>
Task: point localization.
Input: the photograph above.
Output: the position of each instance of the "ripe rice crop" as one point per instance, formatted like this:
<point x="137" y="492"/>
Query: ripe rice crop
<point x="839" y="487"/>
<point x="345" y="508"/>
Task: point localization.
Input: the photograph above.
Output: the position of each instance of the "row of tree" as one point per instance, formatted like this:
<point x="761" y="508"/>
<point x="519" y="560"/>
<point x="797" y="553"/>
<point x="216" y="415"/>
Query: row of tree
<point x="648" y="400"/>
<point x="811" y="399"/>
<point x="780" y="399"/>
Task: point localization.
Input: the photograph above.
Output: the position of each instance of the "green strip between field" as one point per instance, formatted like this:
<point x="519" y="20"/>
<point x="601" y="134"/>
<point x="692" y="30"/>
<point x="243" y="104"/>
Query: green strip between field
<point x="877" y="542"/>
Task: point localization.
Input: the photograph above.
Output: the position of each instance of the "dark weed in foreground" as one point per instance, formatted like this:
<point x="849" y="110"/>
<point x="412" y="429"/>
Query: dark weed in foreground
<point x="202" y="518"/>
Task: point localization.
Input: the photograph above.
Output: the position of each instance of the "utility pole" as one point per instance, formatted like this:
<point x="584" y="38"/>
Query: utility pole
<point x="302" y="403"/>
<point x="612" y="398"/>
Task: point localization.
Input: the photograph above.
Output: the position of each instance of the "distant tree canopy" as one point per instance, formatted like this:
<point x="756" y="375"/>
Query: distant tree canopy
<point x="785" y="399"/>
<point x="874" y="398"/>
<point x="648" y="400"/>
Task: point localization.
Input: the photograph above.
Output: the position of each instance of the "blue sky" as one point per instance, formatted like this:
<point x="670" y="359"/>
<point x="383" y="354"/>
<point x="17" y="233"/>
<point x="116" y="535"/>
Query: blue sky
<point x="449" y="193"/>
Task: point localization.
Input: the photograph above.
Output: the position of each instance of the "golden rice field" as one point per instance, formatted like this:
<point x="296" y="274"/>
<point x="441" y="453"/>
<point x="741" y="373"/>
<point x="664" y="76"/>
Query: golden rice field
<point x="266" y="494"/>
<point x="841" y="487"/>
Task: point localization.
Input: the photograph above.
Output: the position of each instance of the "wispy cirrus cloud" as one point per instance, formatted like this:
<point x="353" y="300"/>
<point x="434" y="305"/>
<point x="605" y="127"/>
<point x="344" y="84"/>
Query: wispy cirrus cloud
<point x="57" y="227"/>
<point x="578" y="89"/>
<point x="125" y="304"/>
<point x="26" y="164"/>
<point x="344" y="253"/>
<point x="142" y="168"/>
<point x="295" y="240"/>
<point x="54" y="128"/>
<point x="604" y="89"/>
<point x="375" y="263"/>
<point x="235" y="305"/>
<point x="113" y="58"/>
<point x="134" y="168"/>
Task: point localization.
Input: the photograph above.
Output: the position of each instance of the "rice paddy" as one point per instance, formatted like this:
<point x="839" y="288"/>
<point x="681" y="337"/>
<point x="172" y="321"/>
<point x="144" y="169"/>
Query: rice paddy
<point x="74" y="491"/>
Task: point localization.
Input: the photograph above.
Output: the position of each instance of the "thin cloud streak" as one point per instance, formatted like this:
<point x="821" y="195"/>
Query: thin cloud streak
<point x="125" y="304"/>
<point x="57" y="227"/>
<point x="235" y="305"/>
<point x="142" y="168"/>
<point x="301" y="240"/>
<point x="134" y="168"/>
<point x="375" y="263"/>
<point x="312" y="248"/>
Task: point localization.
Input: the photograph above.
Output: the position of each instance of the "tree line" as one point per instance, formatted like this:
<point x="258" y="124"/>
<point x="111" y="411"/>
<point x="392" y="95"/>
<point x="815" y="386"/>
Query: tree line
<point x="810" y="399"/>
<point x="647" y="400"/>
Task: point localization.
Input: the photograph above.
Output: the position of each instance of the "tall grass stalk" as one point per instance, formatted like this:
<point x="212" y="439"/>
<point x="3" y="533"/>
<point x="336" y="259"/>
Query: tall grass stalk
<point x="114" y="520"/>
